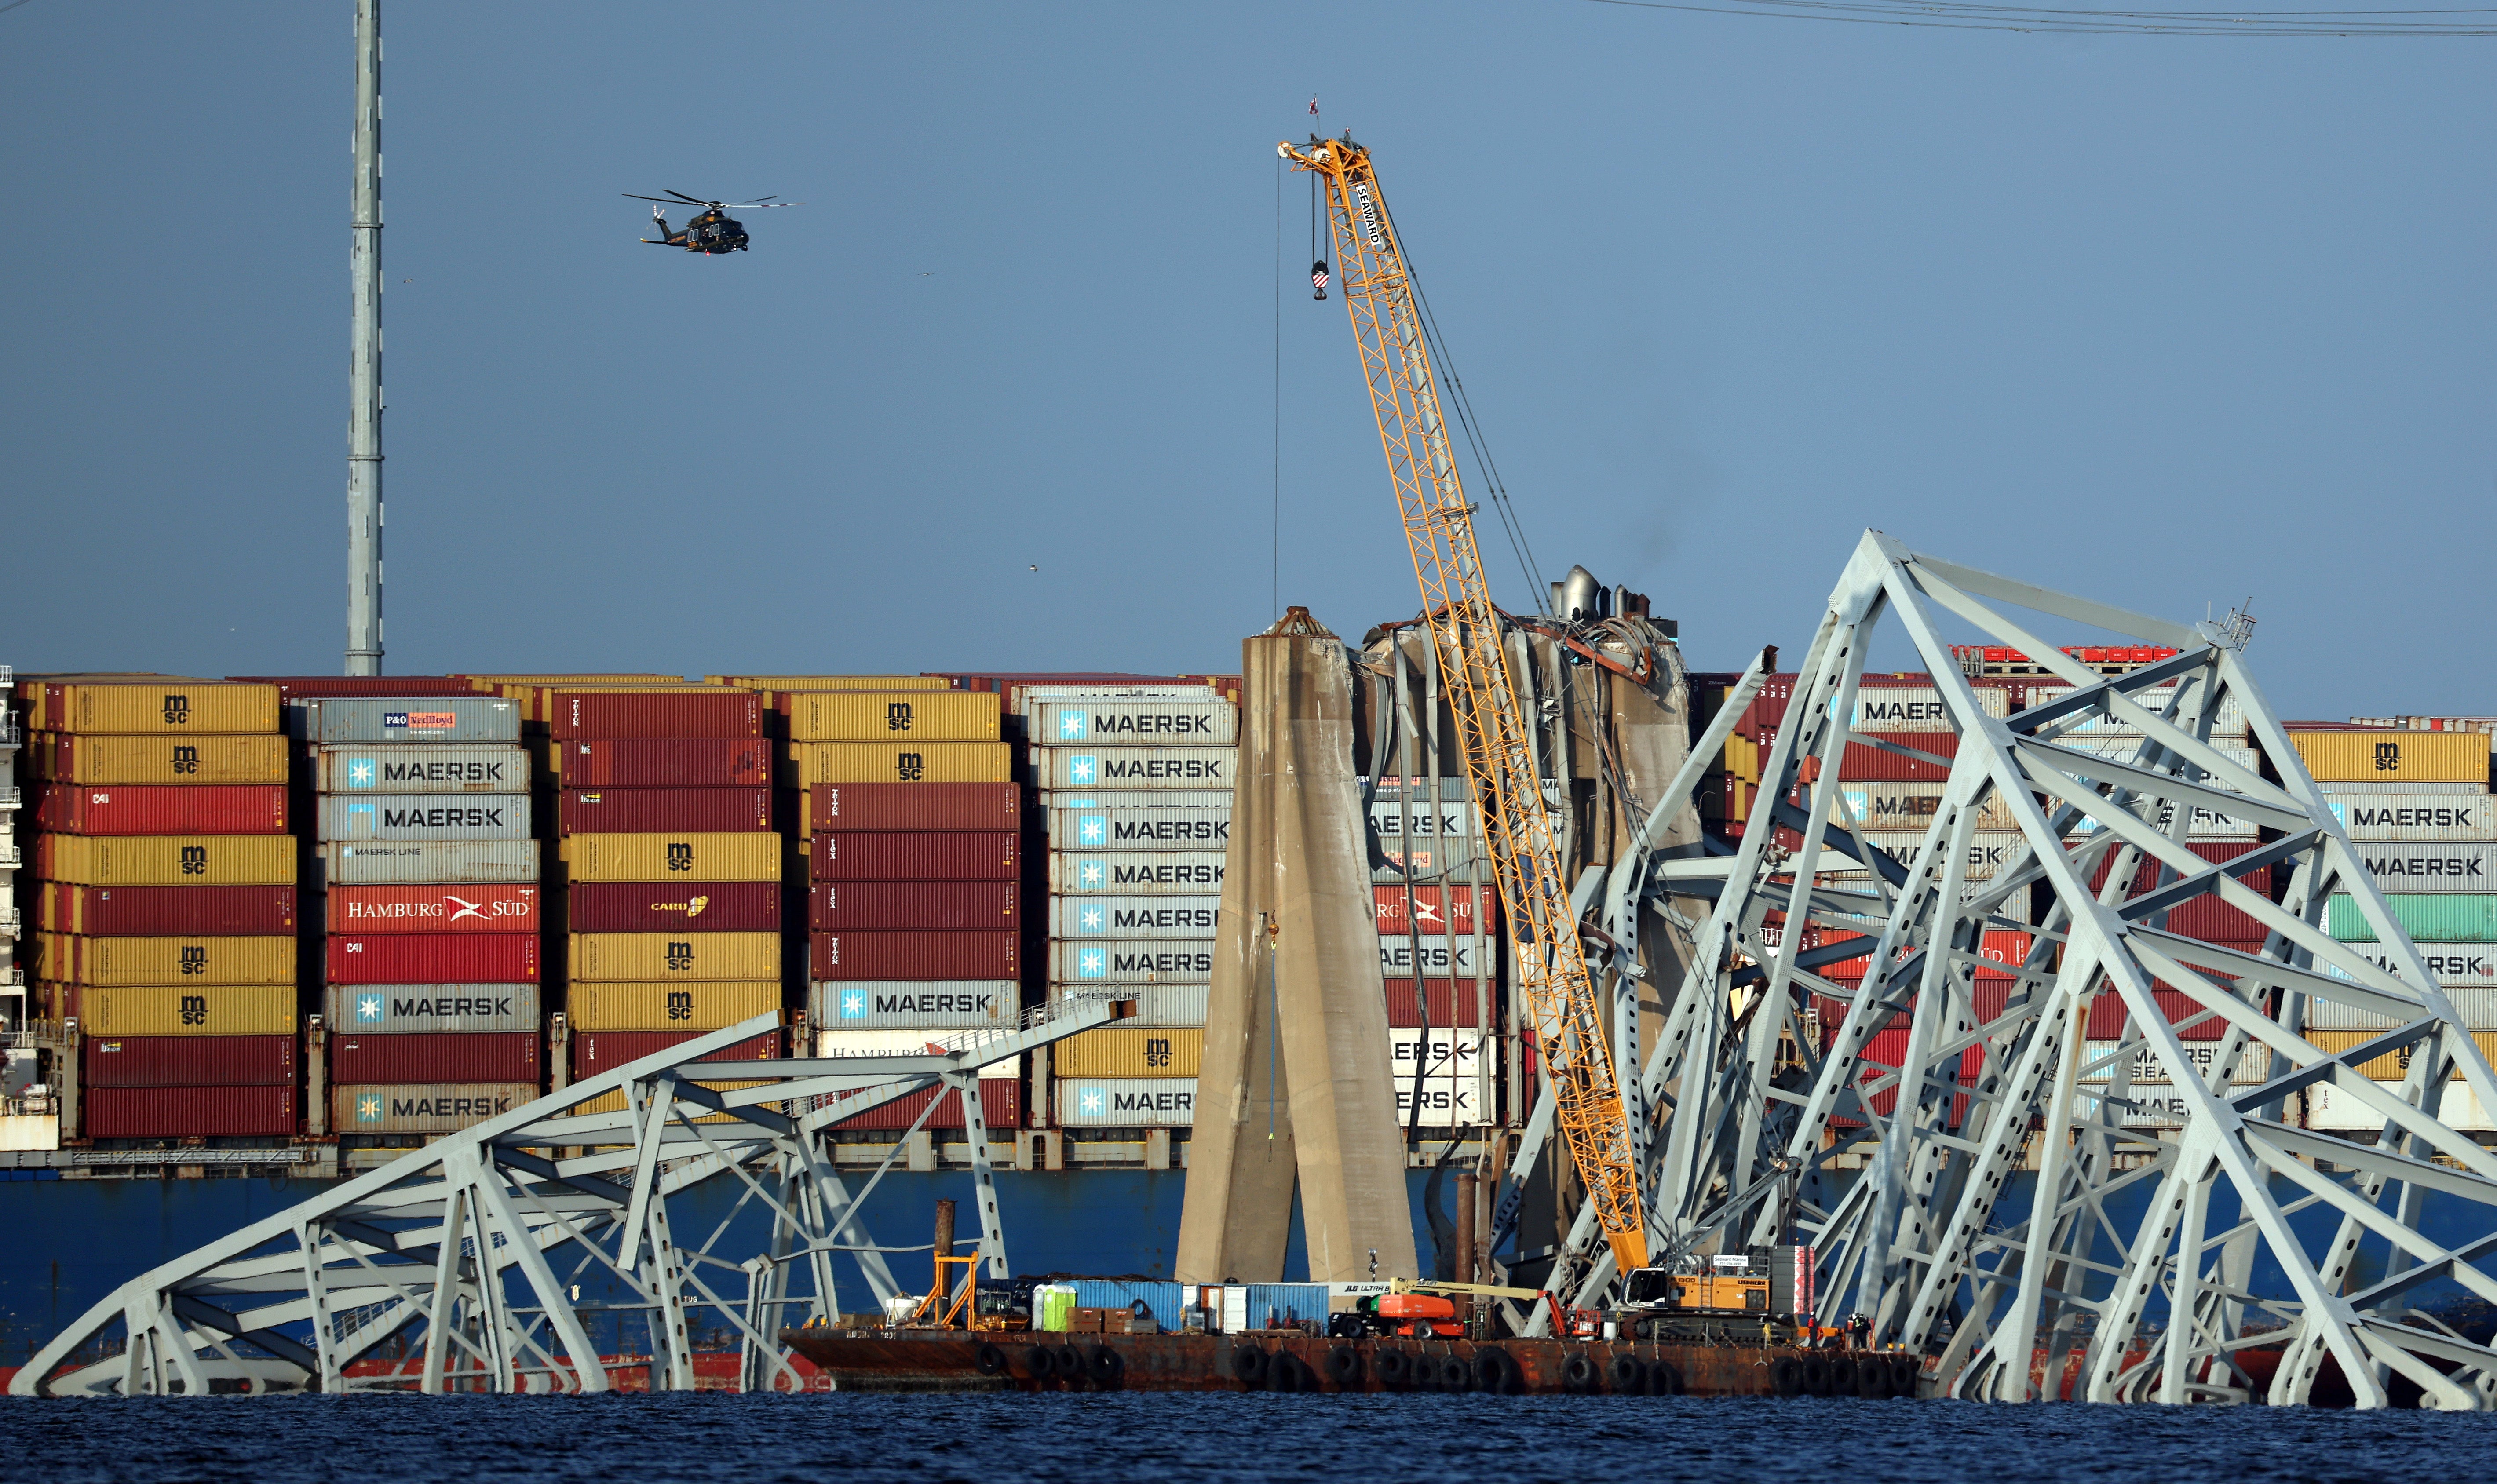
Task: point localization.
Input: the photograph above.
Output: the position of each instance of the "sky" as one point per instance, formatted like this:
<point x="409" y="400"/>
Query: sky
<point x="1029" y="382"/>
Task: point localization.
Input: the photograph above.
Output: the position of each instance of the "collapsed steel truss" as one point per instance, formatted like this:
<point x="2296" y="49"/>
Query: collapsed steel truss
<point x="2029" y="1219"/>
<point x="456" y="1246"/>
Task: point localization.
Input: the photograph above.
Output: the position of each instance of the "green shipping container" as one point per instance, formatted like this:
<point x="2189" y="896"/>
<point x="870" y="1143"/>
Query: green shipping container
<point x="2428" y="917"/>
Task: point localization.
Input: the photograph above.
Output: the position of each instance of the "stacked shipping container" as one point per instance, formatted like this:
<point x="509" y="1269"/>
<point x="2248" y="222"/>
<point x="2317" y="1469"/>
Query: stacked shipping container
<point x="165" y="909"/>
<point x="1439" y="951"/>
<point x="671" y="869"/>
<point x="914" y="901"/>
<point x="2419" y="812"/>
<point x="432" y="909"/>
<point x="1137" y="784"/>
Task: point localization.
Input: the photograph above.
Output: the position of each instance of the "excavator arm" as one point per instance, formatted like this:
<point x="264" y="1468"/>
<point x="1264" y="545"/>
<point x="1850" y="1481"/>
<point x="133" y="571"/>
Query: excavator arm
<point x="1379" y="296"/>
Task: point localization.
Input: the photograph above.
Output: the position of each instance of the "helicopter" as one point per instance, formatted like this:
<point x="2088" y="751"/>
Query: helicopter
<point x="713" y="230"/>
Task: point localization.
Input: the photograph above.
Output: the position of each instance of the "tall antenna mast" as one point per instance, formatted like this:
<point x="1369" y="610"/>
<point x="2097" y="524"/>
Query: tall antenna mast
<point x="365" y="357"/>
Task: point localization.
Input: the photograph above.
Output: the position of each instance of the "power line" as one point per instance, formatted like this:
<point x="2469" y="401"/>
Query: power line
<point x="1960" y="16"/>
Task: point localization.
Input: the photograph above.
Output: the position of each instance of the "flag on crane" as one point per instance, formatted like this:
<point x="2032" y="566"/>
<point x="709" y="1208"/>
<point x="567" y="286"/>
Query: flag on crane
<point x="1313" y="108"/>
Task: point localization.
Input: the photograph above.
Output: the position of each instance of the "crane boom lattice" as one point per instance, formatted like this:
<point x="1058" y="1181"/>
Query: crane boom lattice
<point x="1387" y="329"/>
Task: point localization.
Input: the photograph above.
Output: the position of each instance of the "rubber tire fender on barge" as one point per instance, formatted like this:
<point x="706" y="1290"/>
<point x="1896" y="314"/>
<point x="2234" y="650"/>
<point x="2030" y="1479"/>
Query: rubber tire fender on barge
<point x="1344" y="1367"/>
<point x="1395" y="1366"/>
<point x="1785" y="1376"/>
<point x="1248" y="1366"/>
<point x="1070" y="1364"/>
<point x="1455" y="1373"/>
<point x="1815" y="1376"/>
<point x="1872" y="1379"/>
<point x="991" y="1361"/>
<point x="1109" y="1367"/>
<point x="1842" y="1375"/>
<point x="1040" y="1362"/>
<point x="1629" y="1376"/>
<point x="1286" y="1372"/>
<point x="1904" y="1374"/>
<point x="1495" y="1371"/>
<point x="1664" y="1380"/>
<point x="1578" y="1374"/>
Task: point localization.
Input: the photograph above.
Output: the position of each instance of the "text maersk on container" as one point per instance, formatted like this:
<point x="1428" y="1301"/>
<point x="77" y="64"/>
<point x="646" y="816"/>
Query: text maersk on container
<point x="1101" y="830"/>
<point x="1084" y="770"/>
<point x="854" y="1004"/>
<point x="1106" y="963"/>
<point x="383" y="773"/>
<point x="368" y="1106"/>
<point x="369" y="1007"/>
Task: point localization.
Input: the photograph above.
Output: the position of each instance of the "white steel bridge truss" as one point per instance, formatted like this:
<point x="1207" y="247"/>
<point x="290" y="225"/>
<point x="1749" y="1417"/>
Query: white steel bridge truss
<point x="2017" y="1223"/>
<point x="472" y="1245"/>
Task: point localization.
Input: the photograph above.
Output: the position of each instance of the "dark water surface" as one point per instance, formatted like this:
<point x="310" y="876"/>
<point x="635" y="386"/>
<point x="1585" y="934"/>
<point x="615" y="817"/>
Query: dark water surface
<point x="1106" y="1439"/>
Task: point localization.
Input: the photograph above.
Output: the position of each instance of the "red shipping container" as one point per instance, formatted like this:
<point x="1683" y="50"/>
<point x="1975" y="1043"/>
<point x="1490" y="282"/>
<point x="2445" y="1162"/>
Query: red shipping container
<point x="668" y="906"/>
<point x="2205" y="916"/>
<point x="1452" y="1003"/>
<point x="989" y="854"/>
<point x="915" y="905"/>
<point x="467" y="1056"/>
<point x="914" y="955"/>
<point x="162" y="808"/>
<point x="2008" y="949"/>
<point x="603" y="1051"/>
<point x="1000" y="1107"/>
<point x="484" y="909"/>
<point x="1441" y="909"/>
<point x="175" y="1113"/>
<point x="664" y="762"/>
<point x="722" y="712"/>
<point x="190" y="1061"/>
<point x="166" y="911"/>
<point x="662" y="810"/>
<point x="434" y="958"/>
<point x="915" y="807"/>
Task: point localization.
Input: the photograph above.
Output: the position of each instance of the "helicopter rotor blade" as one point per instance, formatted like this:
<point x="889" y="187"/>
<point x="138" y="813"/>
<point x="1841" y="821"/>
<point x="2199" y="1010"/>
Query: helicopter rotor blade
<point x="759" y="205"/>
<point x="681" y="196"/>
<point x="661" y="200"/>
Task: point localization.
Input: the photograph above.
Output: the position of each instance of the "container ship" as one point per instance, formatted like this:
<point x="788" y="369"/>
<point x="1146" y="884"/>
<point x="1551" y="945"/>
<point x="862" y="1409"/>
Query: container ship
<point x="269" y="932"/>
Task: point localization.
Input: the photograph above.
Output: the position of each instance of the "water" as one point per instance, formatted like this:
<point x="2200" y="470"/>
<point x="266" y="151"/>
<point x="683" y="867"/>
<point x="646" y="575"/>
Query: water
<point x="1110" y="1439"/>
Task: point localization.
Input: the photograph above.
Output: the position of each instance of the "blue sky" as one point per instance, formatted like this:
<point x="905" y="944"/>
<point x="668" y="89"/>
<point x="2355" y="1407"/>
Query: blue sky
<point x="2166" y="321"/>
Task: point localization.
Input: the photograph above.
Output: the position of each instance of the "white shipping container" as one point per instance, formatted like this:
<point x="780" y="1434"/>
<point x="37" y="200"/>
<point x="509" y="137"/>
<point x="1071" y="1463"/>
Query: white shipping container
<point x="1033" y="696"/>
<point x="1141" y="828"/>
<point x="1448" y="1102"/>
<point x="1160" y="872"/>
<point x="911" y="1043"/>
<point x="1177" y="1005"/>
<point x="2333" y="1110"/>
<point x="916" y="1004"/>
<point x="2439" y="817"/>
<point x="2454" y="965"/>
<point x="1462" y="956"/>
<point x="1917" y="707"/>
<point x="2401" y="866"/>
<point x="2229" y="723"/>
<point x="1148" y="769"/>
<point x="1054" y="800"/>
<point x="418" y="817"/>
<point x="1135" y="722"/>
<point x="2476" y="1003"/>
<point x="1905" y="807"/>
<point x="1455" y="821"/>
<point x="1133" y="917"/>
<point x="1438" y="1052"/>
<point x="2099" y="1062"/>
<point x="446" y="863"/>
<point x="439" y="767"/>
<point x="1125" y="1102"/>
<point x="381" y="1009"/>
<point x="1131" y="962"/>
<point x="1988" y="851"/>
<point x="2206" y="825"/>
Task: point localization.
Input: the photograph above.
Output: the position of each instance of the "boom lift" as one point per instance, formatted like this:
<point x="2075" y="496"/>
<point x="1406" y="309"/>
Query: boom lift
<point x="1387" y="328"/>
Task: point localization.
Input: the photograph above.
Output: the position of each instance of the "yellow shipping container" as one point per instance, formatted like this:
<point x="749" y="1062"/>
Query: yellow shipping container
<point x="672" y="956"/>
<point x="778" y="683"/>
<point x="189" y="1010"/>
<point x="747" y="856"/>
<point x="1127" y="1052"/>
<point x="613" y="1102"/>
<point x="127" y="960"/>
<point x="695" y="1005"/>
<point x="155" y="706"/>
<point x="1743" y="759"/>
<point x="167" y="860"/>
<point x="2393" y="1068"/>
<point x="65" y="758"/>
<point x="890" y="715"/>
<point x="2394" y="757"/>
<point x="858" y="762"/>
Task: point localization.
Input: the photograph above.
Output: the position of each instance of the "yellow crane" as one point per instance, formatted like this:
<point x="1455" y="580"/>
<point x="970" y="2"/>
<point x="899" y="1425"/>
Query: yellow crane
<point x="1379" y="296"/>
